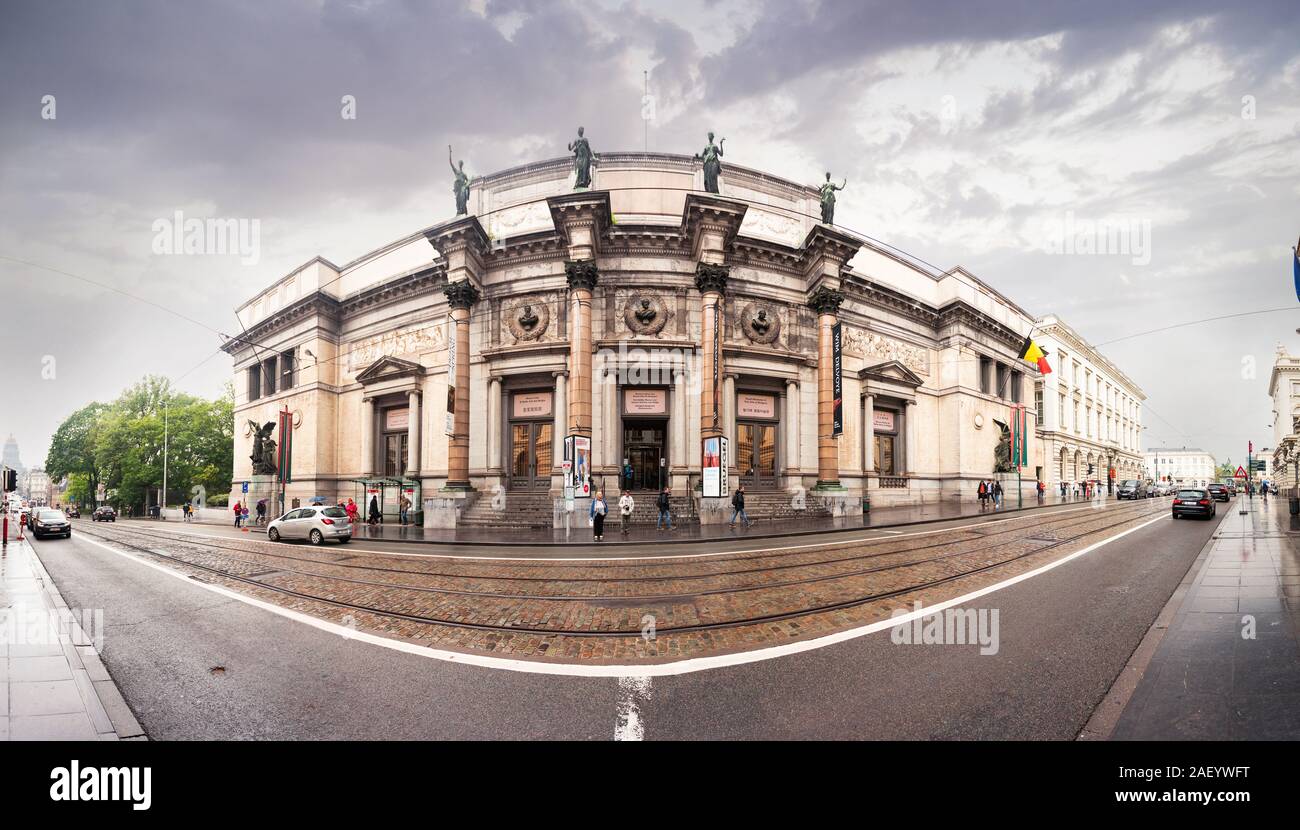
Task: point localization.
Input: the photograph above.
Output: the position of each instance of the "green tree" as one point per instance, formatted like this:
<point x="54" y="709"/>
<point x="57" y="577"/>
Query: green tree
<point x="72" y="449"/>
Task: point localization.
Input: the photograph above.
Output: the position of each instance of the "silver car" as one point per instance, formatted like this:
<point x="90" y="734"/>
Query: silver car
<point x="315" y="524"/>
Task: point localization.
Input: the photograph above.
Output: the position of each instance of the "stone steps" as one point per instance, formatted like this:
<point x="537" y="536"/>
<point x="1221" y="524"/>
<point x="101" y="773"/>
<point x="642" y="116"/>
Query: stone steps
<point x="537" y="510"/>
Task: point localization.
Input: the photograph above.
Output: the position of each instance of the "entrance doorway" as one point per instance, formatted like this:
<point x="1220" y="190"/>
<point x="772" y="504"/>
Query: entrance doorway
<point x="643" y="447"/>
<point x="531" y="444"/>
<point x="756" y="454"/>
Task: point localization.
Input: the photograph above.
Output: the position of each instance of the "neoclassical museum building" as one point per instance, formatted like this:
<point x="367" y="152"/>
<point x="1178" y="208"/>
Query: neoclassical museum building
<point x="638" y="333"/>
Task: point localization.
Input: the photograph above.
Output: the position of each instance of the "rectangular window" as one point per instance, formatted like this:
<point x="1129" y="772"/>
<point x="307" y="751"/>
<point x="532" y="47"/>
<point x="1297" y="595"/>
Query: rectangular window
<point x="1038" y="404"/>
<point x="986" y="374"/>
<point x="1002" y="381"/>
<point x="269" y="377"/>
<point x="1015" y="387"/>
<point x="885" y="455"/>
<point x="287" y="373"/>
<point x="255" y="381"/>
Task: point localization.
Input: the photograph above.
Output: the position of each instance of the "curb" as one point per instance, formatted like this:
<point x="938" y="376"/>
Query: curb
<point x="108" y="710"/>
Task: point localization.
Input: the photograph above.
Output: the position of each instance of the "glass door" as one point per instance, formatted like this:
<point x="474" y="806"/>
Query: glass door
<point x="530" y="454"/>
<point x="756" y="454"/>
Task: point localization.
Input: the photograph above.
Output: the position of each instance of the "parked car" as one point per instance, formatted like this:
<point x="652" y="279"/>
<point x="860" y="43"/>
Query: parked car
<point x="1132" y="488"/>
<point x="104" y="514"/>
<point x="1191" y="501"/>
<point x="1219" y="492"/>
<point x="315" y="524"/>
<point x="49" y="522"/>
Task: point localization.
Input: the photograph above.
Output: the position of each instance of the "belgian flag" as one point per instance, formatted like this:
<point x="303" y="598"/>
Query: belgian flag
<point x="1031" y="353"/>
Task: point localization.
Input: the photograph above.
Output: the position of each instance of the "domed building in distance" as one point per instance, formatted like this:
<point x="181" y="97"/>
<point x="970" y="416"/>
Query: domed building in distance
<point x="636" y="334"/>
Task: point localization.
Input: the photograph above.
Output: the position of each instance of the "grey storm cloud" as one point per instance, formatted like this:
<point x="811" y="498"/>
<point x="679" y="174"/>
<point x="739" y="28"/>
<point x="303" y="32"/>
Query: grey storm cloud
<point x="234" y="108"/>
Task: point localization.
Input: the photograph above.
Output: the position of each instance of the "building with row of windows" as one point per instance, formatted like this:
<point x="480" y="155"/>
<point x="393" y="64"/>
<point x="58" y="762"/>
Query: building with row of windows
<point x="1186" y="466"/>
<point x="645" y="333"/>
<point x="1284" y="390"/>
<point x="1089" y="413"/>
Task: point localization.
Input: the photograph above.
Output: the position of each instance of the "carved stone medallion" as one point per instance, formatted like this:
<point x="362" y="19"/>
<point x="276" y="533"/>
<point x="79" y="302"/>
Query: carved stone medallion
<point x="760" y="323"/>
<point x="528" y="318"/>
<point x="646" y="313"/>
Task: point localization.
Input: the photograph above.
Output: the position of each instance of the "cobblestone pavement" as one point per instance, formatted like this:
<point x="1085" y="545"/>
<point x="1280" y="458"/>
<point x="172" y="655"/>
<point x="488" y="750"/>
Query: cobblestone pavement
<point x="631" y="610"/>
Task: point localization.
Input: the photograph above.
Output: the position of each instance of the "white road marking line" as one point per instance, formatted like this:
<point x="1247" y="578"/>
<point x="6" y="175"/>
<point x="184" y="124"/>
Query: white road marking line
<point x="629" y="724"/>
<point x="688" y="666"/>
<point x="841" y="542"/>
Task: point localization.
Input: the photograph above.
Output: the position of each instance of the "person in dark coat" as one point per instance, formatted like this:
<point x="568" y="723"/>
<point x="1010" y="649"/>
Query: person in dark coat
<point x="374" y="510"/>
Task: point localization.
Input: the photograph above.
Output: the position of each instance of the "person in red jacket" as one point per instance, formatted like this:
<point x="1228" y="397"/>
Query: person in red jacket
<point x="239" y="513"/>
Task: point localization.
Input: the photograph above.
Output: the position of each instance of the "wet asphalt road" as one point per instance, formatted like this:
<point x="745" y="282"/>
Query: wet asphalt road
<point x="1063" y="637"/>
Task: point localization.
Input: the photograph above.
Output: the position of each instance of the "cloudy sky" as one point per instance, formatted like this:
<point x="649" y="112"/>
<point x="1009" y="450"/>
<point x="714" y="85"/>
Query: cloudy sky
<point x="971" y="134"/>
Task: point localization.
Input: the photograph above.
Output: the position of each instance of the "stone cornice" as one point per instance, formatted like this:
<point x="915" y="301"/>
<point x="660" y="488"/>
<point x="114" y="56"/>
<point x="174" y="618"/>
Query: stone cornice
<point x="313" y="304"/>
<point x="581" y="209"/>
<point x="707" y="214"/>
<point x="461" y="234"/>
<point x="1058" y="329"/>
<point x="425" y="281"/>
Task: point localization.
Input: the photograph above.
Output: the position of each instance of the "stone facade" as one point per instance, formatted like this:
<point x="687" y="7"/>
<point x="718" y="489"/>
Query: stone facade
<point x="1284" y="389"/>
<point x="644" y="316"/>
<point x="1090" y="411"/>
<point x="1189" y="466"/>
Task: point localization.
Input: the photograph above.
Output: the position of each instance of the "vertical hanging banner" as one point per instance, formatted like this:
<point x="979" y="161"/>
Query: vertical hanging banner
<point x="285" y="452"/>
<point x="837" y="381"/>
<point x="717" y="359"/>
<point x="451" y="381"/>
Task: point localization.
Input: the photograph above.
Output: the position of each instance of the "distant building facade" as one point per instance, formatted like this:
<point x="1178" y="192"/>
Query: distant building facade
<point x="1090" y="412"/>
<point x="35" y="486"/>
<point x="1284" y="389"/>
<point x="1187" y="466"/>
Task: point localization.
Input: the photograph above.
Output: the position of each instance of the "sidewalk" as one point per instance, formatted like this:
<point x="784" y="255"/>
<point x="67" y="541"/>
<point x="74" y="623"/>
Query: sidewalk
<point x="1210" y="677"/>
<point x="580" y="533"/>
<point x="53" y="686"/>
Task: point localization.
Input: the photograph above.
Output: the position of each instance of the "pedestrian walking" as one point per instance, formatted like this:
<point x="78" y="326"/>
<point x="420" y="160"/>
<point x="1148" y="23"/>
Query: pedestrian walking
<point x="625" y="508"/>
<point x="374" y="510"/>
<point x="665" y="510"/>
<point x="238" y="514"/>
<point x="983" y="492"/>
<point x="1042" y="492"/>
<point x="628" y="475"/>
<point x="261" y="512"/>
<point x="738" y="507"/>
<point x="243" y="515"/>
<point x="596" y="514"/>
<point x="404" y="507"/>
<point x="997" y="495"/>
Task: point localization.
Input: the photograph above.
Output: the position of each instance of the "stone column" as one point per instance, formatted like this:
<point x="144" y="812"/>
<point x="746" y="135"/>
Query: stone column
<point x="582" y="277"/>
<point x="559" y="416"/>
<point x="413" y="435"/>
<point x="869" y="436"/>
<point x="677" y="432"/>
<point x="609" y="422"/>
<point x="729" y="415"/>
<point x="494" y="424"/>
<point x="711" y="280"/>
<point x="461" y="297"/>
<point x="792" y="432"/>
<point x="909" y="436"/>
<point x="367" y="437"/>
<point x="826" y="303"/>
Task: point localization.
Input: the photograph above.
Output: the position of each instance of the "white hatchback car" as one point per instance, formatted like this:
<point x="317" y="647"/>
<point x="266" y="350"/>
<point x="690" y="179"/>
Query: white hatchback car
<point x="315" y="524"/>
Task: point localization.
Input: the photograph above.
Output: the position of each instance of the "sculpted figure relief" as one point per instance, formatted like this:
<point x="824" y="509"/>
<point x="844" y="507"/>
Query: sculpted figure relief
<point x="712" y="158"/>
<point x="760" y="324"/>
<point x="583" y="158"/>
<point x="645" y="314"/>
<point x="263" y="456"/>
<point x="528" y="319"/>
<point x="460" y="186"/>
<point x="828" y="199"/>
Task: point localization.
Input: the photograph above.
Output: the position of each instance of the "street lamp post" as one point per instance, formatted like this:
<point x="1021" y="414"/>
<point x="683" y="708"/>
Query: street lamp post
<point x="162" y="502"/>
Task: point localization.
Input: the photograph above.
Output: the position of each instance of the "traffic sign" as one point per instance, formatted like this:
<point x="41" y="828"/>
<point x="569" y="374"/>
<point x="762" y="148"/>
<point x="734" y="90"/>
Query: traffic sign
<point x="245" y="486"/>
<point x="1240" y="473"/>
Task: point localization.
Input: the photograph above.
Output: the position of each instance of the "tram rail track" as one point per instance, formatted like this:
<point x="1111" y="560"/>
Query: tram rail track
<point x="508" y="620"/>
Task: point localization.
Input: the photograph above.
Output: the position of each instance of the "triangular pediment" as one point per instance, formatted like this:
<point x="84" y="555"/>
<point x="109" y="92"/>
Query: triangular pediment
<point x="387" y="368"/>
<point x="891" y="371"/>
